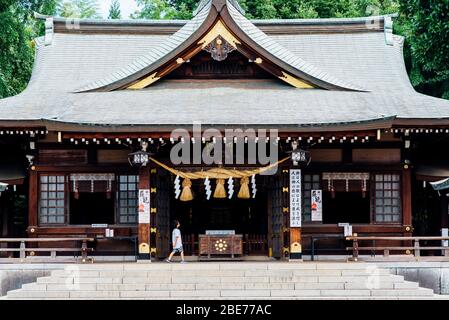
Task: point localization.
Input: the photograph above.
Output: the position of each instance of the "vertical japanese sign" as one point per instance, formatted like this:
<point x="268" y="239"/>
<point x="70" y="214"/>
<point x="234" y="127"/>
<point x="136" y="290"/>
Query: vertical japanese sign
<point x="316" y="205"/>
<point x="144" y="206"/>
<point x="295" y="198"/>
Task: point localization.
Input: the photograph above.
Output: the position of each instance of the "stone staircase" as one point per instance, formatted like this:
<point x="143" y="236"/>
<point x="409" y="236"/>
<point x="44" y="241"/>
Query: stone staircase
<point x="257" y="280"/>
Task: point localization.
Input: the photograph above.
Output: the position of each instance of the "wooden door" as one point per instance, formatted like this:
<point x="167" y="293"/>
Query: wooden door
<point x="163" y="183"/>
<point x="275" y="216"/>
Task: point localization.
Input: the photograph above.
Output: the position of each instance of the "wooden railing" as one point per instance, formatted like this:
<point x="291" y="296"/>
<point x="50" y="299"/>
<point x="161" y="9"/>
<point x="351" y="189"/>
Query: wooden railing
<point x="315" y="239"/>
<point x="25" y="251"/>
<point x="413" y="245"/>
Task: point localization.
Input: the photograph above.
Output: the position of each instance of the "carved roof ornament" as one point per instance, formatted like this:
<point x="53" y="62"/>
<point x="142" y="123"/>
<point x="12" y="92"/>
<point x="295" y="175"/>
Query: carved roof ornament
<point x="219" y="49"/>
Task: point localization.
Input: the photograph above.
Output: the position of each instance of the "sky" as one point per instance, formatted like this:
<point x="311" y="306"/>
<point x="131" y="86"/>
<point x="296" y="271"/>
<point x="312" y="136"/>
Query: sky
<point x="126" y="6"/>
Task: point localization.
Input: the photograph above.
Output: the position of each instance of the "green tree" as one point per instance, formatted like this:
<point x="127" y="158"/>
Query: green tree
<point x="114" y="10"/>
<point x="16" y="53"/>
<point x="425" y="24"/>
<point x="154" y="9"/>
<point x="290" y="9"/>
<point x="78" y="9"/>
<point x="183" y="8"/>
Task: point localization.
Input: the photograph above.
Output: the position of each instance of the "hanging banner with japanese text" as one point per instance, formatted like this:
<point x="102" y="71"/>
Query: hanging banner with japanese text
<point x="144" y="206"/>
<point x="316" y="205"/>
<point x="295" y="198"/>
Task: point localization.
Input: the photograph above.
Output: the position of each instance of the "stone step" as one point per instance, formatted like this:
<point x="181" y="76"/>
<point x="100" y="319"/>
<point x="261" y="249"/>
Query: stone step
<point x="404" y="292"/>
<point x="175" y="278"/>
<point x="22" y="294"/>
<point x="220" y="286"/>
<point x="204" y="281"/>
<point x="230" y="294"/>
<point x="208" y="266"/>
<point x="242" y="266"/>
<point x="221" y="273"/>
<point x="107" y="294"/>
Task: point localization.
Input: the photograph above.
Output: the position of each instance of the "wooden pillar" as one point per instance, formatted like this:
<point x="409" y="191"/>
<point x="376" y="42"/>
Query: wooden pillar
<point x="33" y="201"/>
<point x="295" y="192"/>
<point x="295" y="244"/>
<point x="144" y="214"/>
<point x="407" y="201"/>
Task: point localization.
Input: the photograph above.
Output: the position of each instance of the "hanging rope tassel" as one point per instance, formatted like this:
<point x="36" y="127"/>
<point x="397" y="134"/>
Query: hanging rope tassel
<point x="244" y="189"/>
<point x="186" y="194"/>
<point x="220" y="192"/>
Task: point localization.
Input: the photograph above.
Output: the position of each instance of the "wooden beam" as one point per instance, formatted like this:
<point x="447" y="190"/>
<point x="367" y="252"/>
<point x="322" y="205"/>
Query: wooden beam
<point x="166" y="135"/>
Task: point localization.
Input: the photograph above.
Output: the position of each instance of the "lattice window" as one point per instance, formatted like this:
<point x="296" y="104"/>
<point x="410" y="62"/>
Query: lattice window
<point x="311" y="182"/>
<point x="387" y="198"/>
<point x="128" y="198"/>
<point x="52" y="202"/>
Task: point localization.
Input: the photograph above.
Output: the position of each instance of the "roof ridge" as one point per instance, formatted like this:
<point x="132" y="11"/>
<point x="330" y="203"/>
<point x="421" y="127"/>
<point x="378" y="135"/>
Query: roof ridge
<point x="305" y="21"/>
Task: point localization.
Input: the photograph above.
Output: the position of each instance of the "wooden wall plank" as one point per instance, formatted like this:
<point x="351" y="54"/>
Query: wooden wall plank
<point x="63" y="157"/>
<point x="381" y="156"/>
<point x="327" y="155"/>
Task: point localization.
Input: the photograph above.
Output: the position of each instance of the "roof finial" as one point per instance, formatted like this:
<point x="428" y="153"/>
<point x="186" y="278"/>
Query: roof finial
<point x="388" y="29"/>
<point x="219" y="5"/>
<point x="49" y="28"/>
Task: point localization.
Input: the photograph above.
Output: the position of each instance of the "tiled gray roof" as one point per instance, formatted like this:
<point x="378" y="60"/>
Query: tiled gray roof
<point x="135" y="70"/>
<point x="285" y="55"/>
<point x="75" y="59"/>
<point x="154" y="54"/>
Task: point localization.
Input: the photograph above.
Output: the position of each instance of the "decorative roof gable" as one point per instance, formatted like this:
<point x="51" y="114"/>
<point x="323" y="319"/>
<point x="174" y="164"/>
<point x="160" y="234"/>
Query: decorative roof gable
<point x="219" y="26"/>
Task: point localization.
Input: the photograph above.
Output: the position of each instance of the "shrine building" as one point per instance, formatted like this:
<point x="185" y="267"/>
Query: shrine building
<point x="86" y="150"/>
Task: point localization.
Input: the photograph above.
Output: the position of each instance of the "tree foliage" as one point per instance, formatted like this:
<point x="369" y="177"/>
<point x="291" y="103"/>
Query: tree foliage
<point x="78" y="9"/>
<point x="16" y="54"/>
<point x="425" y="24"/>
<point x="114" y="10"/>
<point x="154" y="9"/>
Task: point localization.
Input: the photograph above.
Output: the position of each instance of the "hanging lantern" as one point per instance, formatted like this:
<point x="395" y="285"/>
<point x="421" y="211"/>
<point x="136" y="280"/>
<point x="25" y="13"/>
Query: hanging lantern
<point x="140" y="158"/>
<point x="299" y="157"/>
